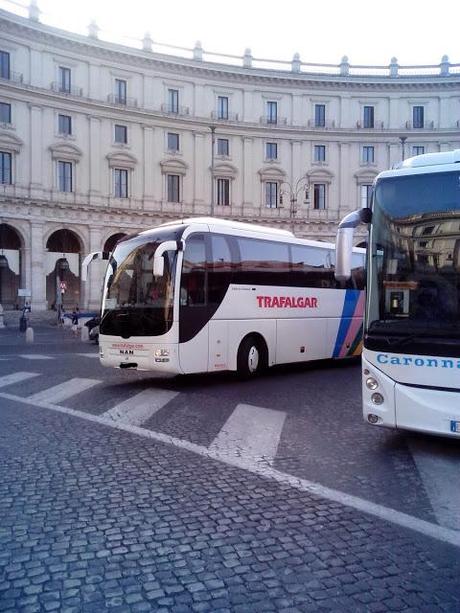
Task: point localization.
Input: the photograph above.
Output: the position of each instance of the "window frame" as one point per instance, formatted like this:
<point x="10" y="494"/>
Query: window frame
<point x="226" y="152"/>
<point x="365" y="151"/>
<point x="270" y="105"/>
<point x="171" y="188"/>
<point x="368" y="116"/>
<point x="119" y="127"/>
<point x="268" y="155"/>
<point x="222" y="108"/>
<point x="269" y="187"/>
<point x="65" y="79"/>
<point x="170" y="136"/>
<point x="222" y="195"/>
<point x="320" y="115"/>
<point x="414" y="147"/>
<point x="7" y="107"/>
<point x="319" y="196"/>
<point x="61" y="123"/>
<point x="5" y="65"/>
<point x="65" y="181"/>
<point x="365" y="193"/>
<point x="418" y="116"/>
<point x="121" y="182"/>
<point x="121" y="90"/>
<point x="319" y="149"/>
<point x="173" y="100"/>
<point x="6" y="155"/>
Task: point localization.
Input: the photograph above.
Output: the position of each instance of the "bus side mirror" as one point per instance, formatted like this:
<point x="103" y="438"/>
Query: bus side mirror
<point x="344" y="241"/>
<point x="95" y="255"/>
<point x="158" y="259"/>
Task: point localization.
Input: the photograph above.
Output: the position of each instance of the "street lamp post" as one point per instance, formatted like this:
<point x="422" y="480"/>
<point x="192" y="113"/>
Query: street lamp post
<point x="213" y="140"/>
<point x="292" y="191"/>
<point x="403" y="150"/>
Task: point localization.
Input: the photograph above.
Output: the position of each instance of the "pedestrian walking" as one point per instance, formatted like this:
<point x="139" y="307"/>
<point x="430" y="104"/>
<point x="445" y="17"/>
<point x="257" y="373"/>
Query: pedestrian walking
<point x="75" y="314"/>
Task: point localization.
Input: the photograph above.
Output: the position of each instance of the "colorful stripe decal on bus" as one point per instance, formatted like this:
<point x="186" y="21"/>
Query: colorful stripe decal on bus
<point x="349" y="335"/>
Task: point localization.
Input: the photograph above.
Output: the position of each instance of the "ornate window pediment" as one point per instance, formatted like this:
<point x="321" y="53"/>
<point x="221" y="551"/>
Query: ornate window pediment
<point x="225" y="170"/>
<point x="320" y="175"/>
<point x="66" y="151"/>
<point x="365" y="176"/>
<point x="272" y="173"/>
<point x="121" y="159"/>
<point x="10" y="142"/>
<point x="173" y="166"/>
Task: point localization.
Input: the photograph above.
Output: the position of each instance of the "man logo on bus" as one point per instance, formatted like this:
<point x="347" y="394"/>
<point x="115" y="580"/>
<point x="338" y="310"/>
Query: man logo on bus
<point x="287" y="302"/>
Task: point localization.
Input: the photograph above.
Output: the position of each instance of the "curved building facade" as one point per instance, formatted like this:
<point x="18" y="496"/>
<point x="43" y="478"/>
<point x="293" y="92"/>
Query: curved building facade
<point x="98" y="140"/>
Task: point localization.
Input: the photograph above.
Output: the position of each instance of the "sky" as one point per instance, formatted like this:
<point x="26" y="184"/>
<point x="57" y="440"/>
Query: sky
<point x="322" y="31"/>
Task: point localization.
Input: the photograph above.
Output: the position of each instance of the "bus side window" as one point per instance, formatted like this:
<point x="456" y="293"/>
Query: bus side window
<point x="193" y="280"/>
<point x="221" y="270"/>
<point x="310" y="267"/>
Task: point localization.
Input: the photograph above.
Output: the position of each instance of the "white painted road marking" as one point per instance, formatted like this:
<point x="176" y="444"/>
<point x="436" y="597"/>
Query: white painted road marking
<point x="251" y="433"/>
<point x="440" y="473"/>
<point x="63" y="391"/>
<point x="139" y="408"/>
<point x="16" y="377"/>
<point x="88" y="355"/>
<point x="446" y="535"/>
<point x="34" y="356"/>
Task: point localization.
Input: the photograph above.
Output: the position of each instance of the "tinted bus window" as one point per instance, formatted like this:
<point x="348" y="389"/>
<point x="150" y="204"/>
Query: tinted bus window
<point x="193" y="279"/>
<point x="311" y="267"/>
<point x="263" y="262"/>
<point x="220" y="270"/>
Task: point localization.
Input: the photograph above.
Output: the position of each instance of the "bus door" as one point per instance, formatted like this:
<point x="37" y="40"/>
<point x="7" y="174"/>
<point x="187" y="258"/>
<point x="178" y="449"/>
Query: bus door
<point x="193" y="306"/>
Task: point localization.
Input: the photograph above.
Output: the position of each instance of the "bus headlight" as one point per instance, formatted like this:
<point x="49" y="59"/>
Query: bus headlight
<point x="377" y="398"/>
<point x="161" y="353"/>
<point x="372" y="383"/>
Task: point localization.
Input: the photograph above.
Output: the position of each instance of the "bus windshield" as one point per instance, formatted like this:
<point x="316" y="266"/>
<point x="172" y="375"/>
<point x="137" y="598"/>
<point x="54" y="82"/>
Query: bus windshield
<point x="135" y="302"/>
<point x="414" y="262"/>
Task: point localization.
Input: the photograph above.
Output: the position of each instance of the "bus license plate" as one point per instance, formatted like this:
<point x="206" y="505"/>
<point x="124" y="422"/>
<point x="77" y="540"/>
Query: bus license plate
<point x="455" y="426"/>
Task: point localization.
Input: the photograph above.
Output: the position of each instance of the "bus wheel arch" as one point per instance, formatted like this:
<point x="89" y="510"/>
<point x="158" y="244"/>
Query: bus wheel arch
<point x="252" y="357"/>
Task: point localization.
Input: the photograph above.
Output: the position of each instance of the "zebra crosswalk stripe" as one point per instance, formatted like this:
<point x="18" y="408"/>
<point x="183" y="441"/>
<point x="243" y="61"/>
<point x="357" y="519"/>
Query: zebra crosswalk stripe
<point x="139" y="408"/>
<point x="34" y="356"/>
<point x="16" y="377"/>
<point x="63" y="391"/>
<point x="251" y="433"/>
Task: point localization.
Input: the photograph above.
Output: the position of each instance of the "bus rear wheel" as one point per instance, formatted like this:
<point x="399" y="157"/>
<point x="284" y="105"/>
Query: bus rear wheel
<point x="251" y="359"/>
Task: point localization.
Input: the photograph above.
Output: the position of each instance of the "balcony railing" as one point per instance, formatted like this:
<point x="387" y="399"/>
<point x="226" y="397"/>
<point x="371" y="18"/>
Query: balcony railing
<point x="68" y="91"/>
<point x="273" y="121"/>
<point x="221" y="117"/>
<point x="378" y="125"/>
<point x="173" y="109"/>
<point x="426" y="125"/>
<point x="321" y="125"/>
<point x="122" y="100"/>
<point x="16" y="77"/>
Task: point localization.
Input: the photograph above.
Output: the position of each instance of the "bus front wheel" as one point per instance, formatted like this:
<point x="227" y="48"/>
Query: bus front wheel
<point x="251" y="359"/>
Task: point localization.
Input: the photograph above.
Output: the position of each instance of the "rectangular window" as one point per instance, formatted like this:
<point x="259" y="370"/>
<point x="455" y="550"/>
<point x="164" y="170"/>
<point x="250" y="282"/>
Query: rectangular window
<point x="222" y="146"/>
<point x="418" y="117"/>
<point x="5" y="112"/>
<point x="173" y="188"/>
<point x="223" y="192"/>
<point x="65" y="125"/>
<point x="271" y="194"/>
<point x="121" y="89"/>
<point x="320" y="115"/>
<point x="271" y="151"/>
<point x="222" y="107"/>
<point x="4" y="65"/>
<point x="65" y="82"/>
<point x="173" y="100"/>
<point x="368" y="117"/>
<point x="368" y="154"/>
<point x="418" y="150"/>
<point x="173" y="141"/>
<point x="121" y="134"/>
<point x="319" y="196"/>
<point x="272" y="112"/>
<point x="5" y="168"/>
<point x="366" y="193"/>
<point x="320" y="153"/>
<point x="120" y="183"/>
<point x="65" y="176"/>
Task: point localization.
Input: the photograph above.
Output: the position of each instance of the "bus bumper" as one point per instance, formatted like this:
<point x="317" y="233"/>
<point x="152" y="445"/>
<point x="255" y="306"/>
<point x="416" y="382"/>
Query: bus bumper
<point x="433" y="411"/>
<point x="159" y="357"/>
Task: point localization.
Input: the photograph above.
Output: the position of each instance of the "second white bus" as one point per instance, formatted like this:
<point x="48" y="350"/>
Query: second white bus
<point x="203" y="295"/>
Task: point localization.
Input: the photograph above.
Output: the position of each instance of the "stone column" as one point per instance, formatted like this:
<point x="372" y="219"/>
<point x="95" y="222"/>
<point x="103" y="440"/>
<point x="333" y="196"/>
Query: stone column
<point x="36" y="152"/>
<point x="248" y="179"/>
<point x="343" y="196"/>
<point x="92" y="291"/>
<point x="200" y="170"/>
<point x="37" y="269"/>
<point x="36" y="68"/>
<point x="94" y="82"/>
<point x="94" y="158"/>
<point x="149" y="171"/>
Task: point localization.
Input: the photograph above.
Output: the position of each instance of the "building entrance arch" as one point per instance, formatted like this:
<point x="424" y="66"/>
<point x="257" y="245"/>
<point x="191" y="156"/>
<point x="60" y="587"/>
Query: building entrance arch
<point x="110" y="243"/>
<point x="10" y="266"/>
<point x="63" y="269"/>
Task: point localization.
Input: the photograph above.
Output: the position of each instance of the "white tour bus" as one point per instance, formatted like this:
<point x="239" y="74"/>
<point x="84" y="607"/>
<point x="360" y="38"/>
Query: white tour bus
<point x="203" y="294"/>
<point x="411" y="354"/>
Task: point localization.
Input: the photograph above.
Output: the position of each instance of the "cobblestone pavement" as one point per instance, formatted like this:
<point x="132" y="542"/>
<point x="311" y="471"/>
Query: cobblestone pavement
<point x="93" y="518"/>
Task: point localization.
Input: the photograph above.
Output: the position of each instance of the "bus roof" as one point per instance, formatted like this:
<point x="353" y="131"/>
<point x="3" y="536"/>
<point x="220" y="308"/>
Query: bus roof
<point x="229" y="223"/>
<point x="425" y="163"/>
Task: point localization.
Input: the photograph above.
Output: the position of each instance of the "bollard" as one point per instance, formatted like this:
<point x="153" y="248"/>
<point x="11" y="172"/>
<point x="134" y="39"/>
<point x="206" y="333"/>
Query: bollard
<point x="29" y="335"/>
<point x="84" y="333"/>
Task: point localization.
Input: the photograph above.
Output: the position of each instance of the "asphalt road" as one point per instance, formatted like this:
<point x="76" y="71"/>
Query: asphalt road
<point x="125" y="491"/>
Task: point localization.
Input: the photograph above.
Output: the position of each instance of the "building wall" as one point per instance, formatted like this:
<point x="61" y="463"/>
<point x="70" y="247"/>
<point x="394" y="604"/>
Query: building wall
<point x="35" y="207"/>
